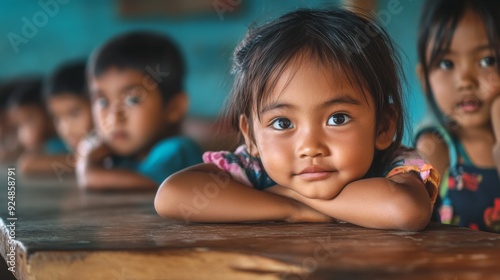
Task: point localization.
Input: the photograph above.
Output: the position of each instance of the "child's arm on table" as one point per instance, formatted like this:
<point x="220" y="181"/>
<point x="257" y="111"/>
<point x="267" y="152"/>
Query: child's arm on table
<point x="204" y="193"/>
<point x="91" y="173"/>
<point x="400" y="202"/>
<point x="41" y="164"/>
<point x="495" y="121"/>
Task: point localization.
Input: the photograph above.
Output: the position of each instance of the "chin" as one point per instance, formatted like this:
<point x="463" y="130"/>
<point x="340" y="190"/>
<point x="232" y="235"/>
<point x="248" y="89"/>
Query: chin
<point x="323" y="195"/>
<point x="122" y="151"/>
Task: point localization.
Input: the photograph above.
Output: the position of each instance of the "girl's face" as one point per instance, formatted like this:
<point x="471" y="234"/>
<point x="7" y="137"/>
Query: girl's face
<point x="316" y="133"/>
<point x="72" y="117"/>
<point x="466" y="80"/>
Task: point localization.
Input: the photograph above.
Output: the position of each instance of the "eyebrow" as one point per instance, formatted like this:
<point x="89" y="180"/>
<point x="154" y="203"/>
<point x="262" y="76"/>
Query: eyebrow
<point x="129" y="87"/>
<point x="345" y="99"/>
<point x="121" y="91"/>
<point x="474" y="50"/>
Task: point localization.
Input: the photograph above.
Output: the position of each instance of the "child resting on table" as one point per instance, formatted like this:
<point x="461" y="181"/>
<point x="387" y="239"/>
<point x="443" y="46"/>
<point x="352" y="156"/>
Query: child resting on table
<point x="459" y="47"/>
<point x="68" y="102"/>
<point x="35" y="130"/>
<point x="10" y="148"/>
<point x="138" y="103"/>
<point x="320" y="110"/>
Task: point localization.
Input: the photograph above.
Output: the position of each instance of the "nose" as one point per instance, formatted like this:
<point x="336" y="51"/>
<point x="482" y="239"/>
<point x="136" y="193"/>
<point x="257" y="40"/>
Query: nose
<point x="116" y="114"/>
<point x="64" y="127"/>
<point x="466" y="77"/>
<point x="312" y="144"/>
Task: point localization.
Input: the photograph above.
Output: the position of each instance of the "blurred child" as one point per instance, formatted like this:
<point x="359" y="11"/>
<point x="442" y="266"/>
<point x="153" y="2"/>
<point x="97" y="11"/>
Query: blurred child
<point x="138" y="104"/>
<point x="9" y="146"/>
<point x="68" y="102"/>
<point x="35" y="131"/>
<point x="321" y="113"/>
<point x="459" y="47"/>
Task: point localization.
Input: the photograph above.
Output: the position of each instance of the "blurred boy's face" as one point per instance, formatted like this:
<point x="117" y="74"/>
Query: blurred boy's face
<point x="33" y="125"/>
<point x="128" y="112"/>
<point x="72" y="117"/>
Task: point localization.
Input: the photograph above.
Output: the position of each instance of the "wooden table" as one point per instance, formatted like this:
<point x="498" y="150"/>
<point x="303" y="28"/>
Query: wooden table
<point x="64" y="233"/>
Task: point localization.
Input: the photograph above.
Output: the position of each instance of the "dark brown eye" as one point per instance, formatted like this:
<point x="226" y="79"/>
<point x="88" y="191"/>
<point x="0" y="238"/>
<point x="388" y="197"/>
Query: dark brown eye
<point x="338" y="119"/>
<point x="282" y="123"/>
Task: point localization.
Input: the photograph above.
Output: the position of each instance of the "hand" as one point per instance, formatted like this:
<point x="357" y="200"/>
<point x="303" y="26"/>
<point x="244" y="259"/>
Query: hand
<point x="303" y="212"/>
<point x="306" y="214"/>
<point x="93" y="150"/>
<point x="495" y="120"/>
<point x="495" y="117"/>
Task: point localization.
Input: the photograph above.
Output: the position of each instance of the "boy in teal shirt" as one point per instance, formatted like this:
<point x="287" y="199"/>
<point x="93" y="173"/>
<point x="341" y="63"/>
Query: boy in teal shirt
<point x="138" y="104"/>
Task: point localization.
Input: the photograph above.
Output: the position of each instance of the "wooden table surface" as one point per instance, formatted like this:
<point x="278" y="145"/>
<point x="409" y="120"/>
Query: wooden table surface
<point x="64" y="233"/>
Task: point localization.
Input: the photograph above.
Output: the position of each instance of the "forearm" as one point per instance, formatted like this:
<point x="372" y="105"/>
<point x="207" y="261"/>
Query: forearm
<point x="95" y="177"/>
<point x="206" y="194"/>
<point x="379" y="203"/>
<point x="40" y="164"/>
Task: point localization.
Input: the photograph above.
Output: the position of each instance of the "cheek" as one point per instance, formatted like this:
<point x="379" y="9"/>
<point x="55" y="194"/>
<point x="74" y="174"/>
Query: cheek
<point x="98" y="118"/>
<point x="442" y="91"/>
<point x="491" y="84"/>
<point x="84" y="123"/>
<point x="30" y="135"/>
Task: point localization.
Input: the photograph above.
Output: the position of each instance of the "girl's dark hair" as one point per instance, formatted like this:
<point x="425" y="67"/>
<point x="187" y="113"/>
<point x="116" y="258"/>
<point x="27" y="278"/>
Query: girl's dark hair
<point x="68" y="78"/>
<point x="438" y="22"/>
<point x="150" y="53"/>
<point x="336" y="38"/>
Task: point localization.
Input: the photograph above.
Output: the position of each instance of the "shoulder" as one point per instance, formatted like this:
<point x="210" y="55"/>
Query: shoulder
<point x="55" y="146"/>
<point x="175" y="145"/>
<point x="242" y="166"/>
<point x="183" y="148"/>
<point x="408" y="160"/>
<point x="435" y="147"/>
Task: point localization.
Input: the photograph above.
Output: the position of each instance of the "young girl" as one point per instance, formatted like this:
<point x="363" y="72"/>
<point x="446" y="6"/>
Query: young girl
<point x="458" y="46"/>
<point x="317" y="99"/>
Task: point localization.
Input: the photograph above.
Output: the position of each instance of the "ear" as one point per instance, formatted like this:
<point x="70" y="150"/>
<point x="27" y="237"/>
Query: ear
<point x="421" y="77"/>
<point x="245" y="128"/>
<point x="386" y="130"/>
<point x="176" y="108"/>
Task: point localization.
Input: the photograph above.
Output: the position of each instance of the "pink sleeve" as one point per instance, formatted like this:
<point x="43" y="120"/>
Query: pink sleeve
<point x="408" y="160"/>
<point x="229" y="162"/>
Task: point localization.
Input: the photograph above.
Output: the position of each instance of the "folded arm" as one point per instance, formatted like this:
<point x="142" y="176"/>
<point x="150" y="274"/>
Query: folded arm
<point x="91" y="173"/>
<point x="204" y="193"/>
<point x="400" y="202"/>
<point x="41" y="164"/>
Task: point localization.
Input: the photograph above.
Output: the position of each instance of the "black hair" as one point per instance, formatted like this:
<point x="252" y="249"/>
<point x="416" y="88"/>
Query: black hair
<point x="68" y="78"/>
<point x="438" y="22"/>
<point x="336" y="38"/>
<point x="5" y="90"/>
<point x="152" y="54"/>
<point x="28" y="92"/>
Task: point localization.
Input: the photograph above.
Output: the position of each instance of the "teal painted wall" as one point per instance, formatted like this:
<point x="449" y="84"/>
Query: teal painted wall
<point x="76" y="27"/>
<point x="400" y="17"/>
